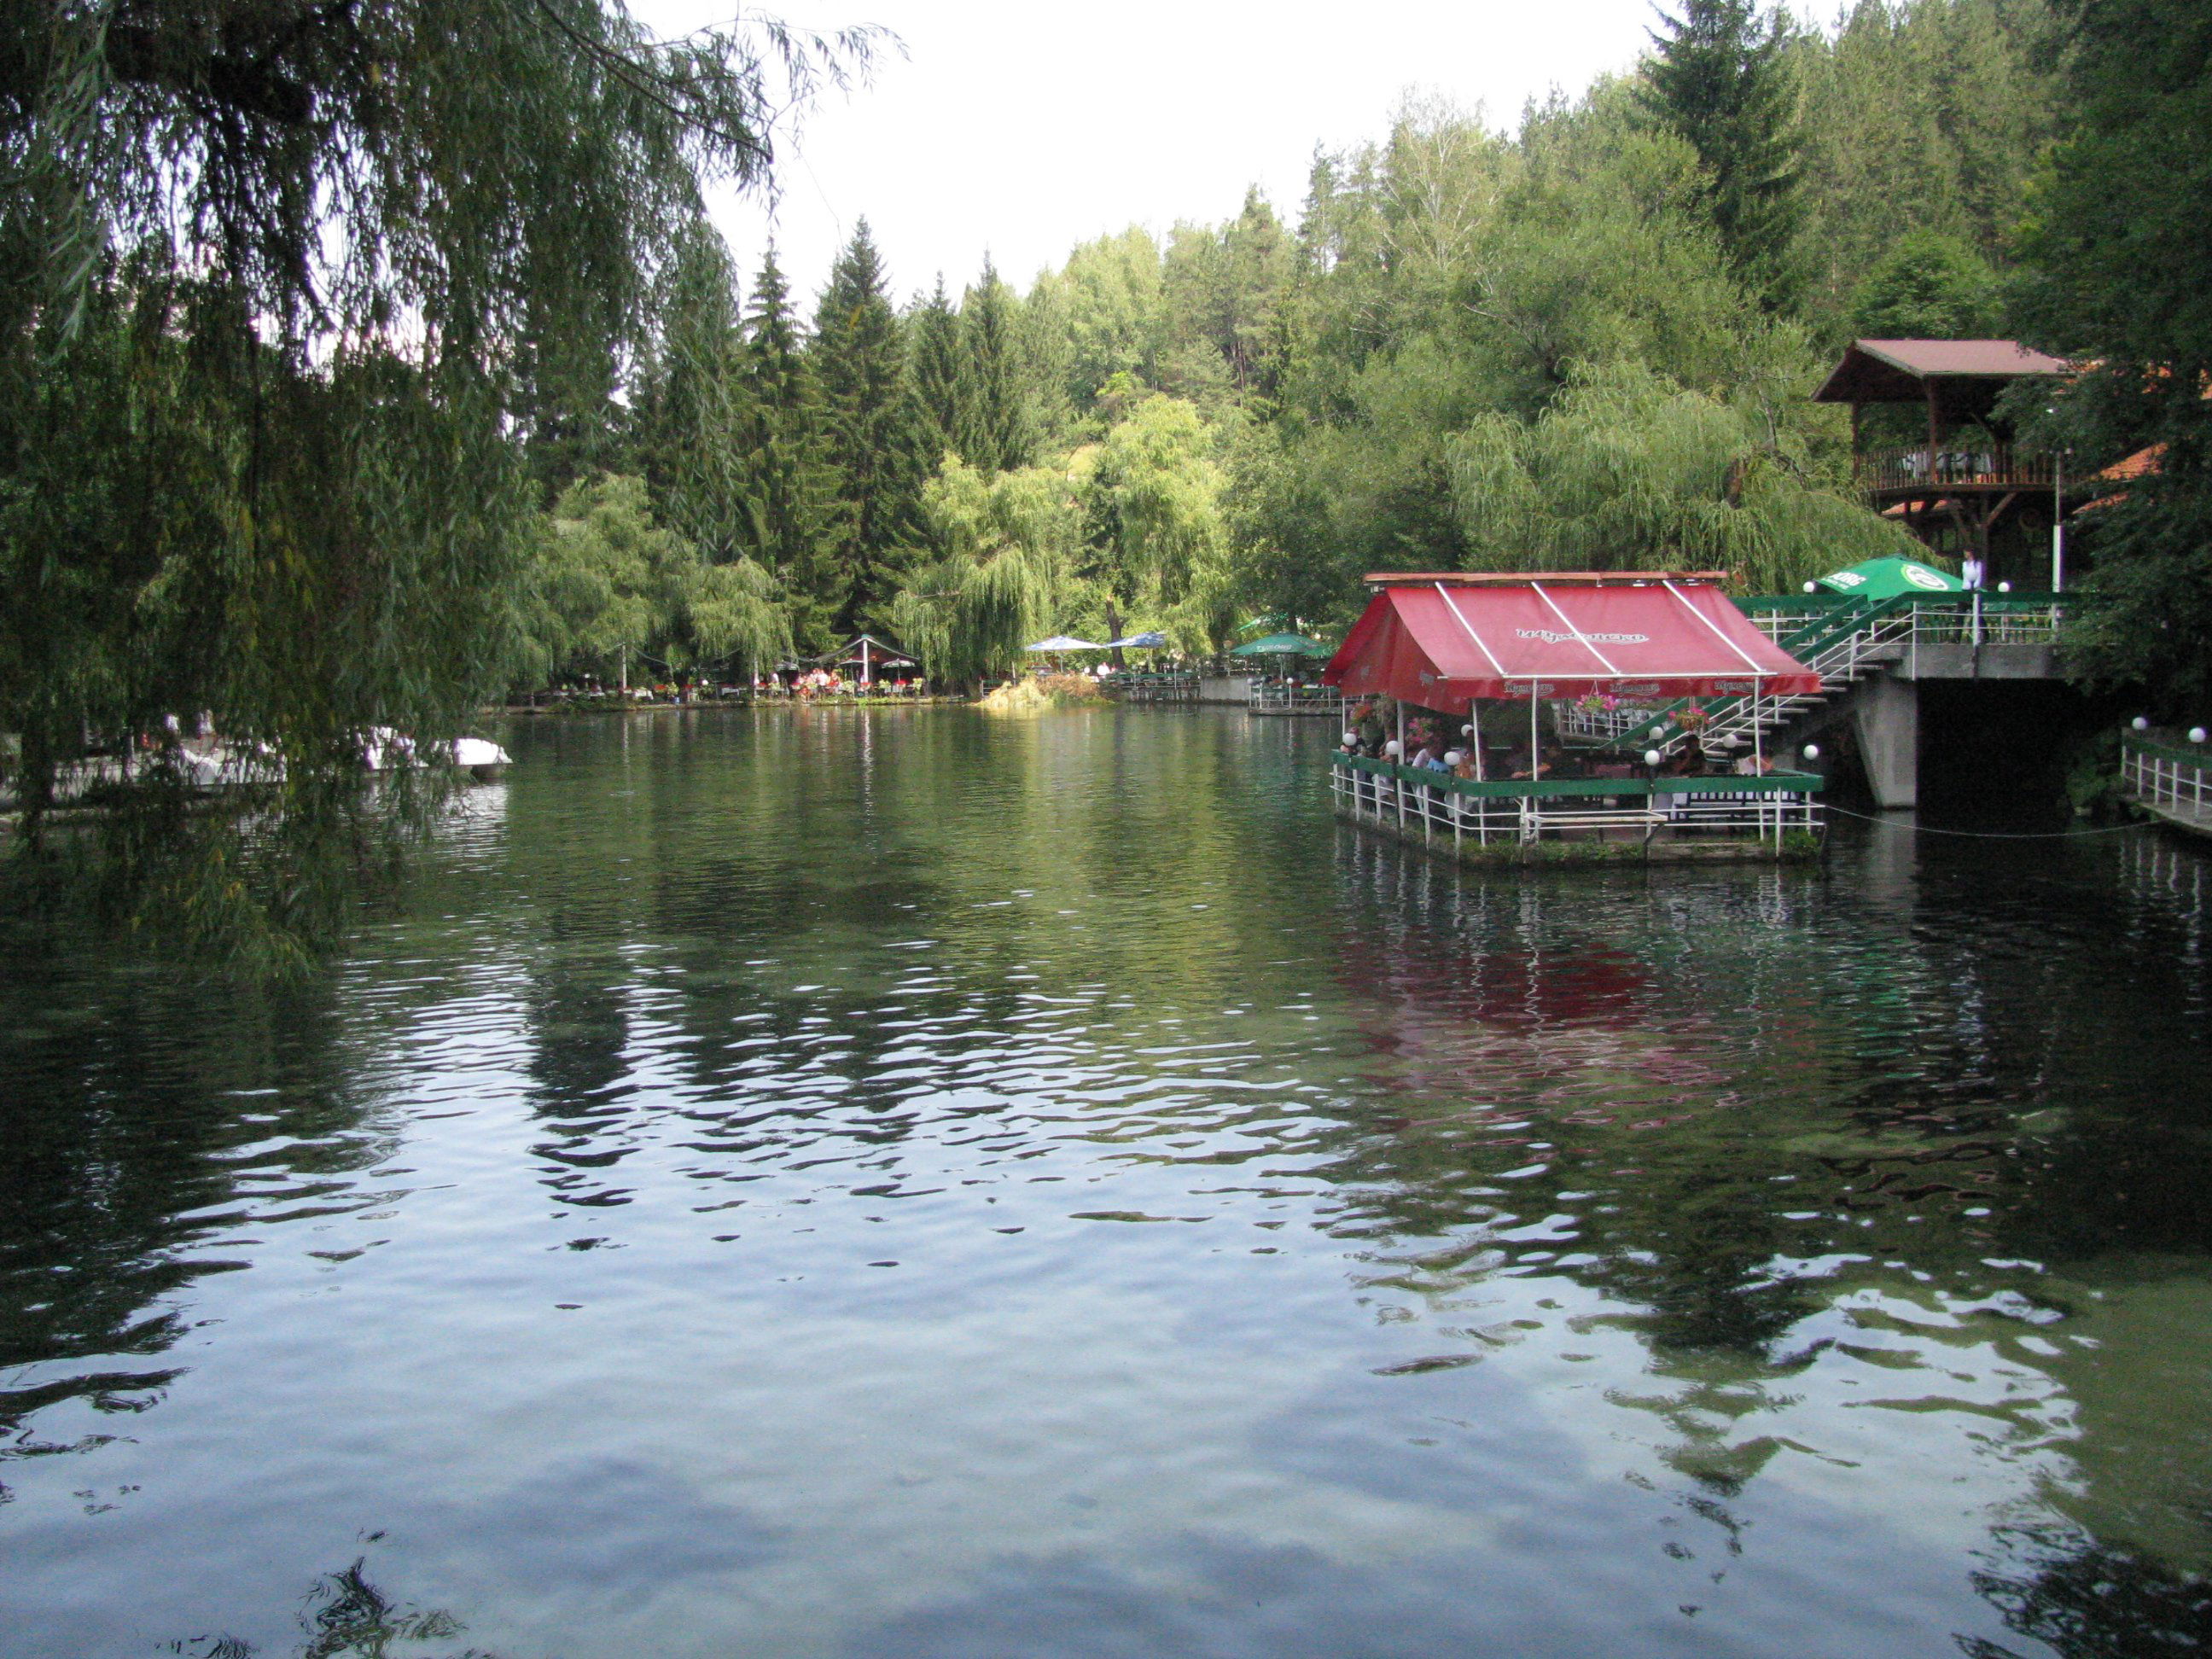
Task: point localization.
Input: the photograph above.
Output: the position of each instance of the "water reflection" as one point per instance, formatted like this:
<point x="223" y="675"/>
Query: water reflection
<point x="823" y="1183"/>
<point x="344" y="1617"/>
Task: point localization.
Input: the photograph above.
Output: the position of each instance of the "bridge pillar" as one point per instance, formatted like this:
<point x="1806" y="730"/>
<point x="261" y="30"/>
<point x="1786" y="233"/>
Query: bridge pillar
<point x="1887" y="712"/>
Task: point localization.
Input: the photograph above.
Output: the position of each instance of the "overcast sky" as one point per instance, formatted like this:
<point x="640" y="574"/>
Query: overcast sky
<point x="1023" y="128"/>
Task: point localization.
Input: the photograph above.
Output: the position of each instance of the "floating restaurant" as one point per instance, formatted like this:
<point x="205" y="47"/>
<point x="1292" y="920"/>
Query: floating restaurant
<point x="1508" y="650"/>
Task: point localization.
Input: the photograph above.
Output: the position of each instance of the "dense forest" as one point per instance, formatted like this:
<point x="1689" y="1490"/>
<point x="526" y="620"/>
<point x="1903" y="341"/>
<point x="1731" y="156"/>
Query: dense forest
<point x="1586" y="342"/>
<point x="345" y="383"/>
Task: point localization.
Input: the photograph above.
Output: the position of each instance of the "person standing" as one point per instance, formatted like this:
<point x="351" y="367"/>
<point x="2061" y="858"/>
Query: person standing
<point x="1970" y="568"/>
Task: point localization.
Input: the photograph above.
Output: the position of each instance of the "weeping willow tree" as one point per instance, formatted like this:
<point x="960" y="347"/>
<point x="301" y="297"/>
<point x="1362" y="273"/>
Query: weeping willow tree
<point x="1007" y="541"/>
<point x="285" y="289"/>
<point x="734" y="613"/>
<point x="1628" y="470"/>
<point x="1158" y="536"/>
<point x="612" y="591"/>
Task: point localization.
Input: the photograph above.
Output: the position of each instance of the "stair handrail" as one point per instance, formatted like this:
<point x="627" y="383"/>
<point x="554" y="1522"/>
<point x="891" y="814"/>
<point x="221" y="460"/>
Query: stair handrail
<point x="1845" y="626"/>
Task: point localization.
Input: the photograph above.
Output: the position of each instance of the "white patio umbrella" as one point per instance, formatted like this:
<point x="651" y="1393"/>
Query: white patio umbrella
<point x="1064" y="642"/>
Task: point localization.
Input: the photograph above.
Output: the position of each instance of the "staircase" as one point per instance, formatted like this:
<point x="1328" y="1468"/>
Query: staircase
<point x="1843" y="644"/>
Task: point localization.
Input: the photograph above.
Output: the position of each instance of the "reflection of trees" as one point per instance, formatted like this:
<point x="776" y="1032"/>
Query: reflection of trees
<point x="2092" y="1602"/>
<point x="142" y="1115"/>
<point x="741" y="923"/>
<point x="1724" y="1074"/>
<point x="1804" y="1096"/>
<point x="346" y="1617"/>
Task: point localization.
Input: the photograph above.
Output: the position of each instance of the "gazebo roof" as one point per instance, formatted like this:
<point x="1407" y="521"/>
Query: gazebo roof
<point x="1441" y="641"/>
<point x="880" y="650"/>
<point x="1899" y="371"/>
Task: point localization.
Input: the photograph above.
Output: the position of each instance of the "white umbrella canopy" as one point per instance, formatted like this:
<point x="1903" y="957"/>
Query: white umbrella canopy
<point x="1065" y="642"/>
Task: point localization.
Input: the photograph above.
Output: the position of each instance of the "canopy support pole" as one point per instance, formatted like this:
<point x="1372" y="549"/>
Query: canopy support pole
<point x="1759" y="763"/>
<point x="1475" y="720"/>
<point x="1398" y="785"/>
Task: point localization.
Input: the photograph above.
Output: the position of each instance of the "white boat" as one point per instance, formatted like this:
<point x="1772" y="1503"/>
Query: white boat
<point x="481" y="758"/>
<point x="387" y="749"/>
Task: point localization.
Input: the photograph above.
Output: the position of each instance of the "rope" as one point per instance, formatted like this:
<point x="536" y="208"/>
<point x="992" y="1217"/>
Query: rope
<point x="1985" y="835"/>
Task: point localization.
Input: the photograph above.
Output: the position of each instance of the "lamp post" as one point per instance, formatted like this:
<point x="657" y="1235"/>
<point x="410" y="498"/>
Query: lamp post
<point x="2058" y="522"/>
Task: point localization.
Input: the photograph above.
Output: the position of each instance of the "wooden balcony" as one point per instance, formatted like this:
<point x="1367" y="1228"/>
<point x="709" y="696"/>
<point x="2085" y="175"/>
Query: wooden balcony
<point x="1887" y="474"/>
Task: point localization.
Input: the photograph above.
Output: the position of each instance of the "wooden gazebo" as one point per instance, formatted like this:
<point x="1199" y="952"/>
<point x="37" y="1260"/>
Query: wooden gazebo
<point x="1961" y="475"/>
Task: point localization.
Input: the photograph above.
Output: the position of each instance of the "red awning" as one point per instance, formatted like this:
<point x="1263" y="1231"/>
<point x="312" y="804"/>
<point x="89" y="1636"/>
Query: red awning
<point x="1440" y="642"/>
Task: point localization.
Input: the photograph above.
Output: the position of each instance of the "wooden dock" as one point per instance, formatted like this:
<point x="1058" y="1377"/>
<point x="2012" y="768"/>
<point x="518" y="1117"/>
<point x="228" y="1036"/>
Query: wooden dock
<point x="2171" y="781"/>
<point x="2189" y="819"/>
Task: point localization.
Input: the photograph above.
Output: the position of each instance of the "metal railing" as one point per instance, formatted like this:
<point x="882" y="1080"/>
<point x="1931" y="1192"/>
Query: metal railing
<point x="1137" y="687"/>
<point x="2020" y="618"/>
<point x="2166" y="775"/>
<point x="1995" y="466"/>
<point x="1524" y="811"/>
<point x="1603" y="725"/>
<point x="1286" y="697"/>
<point x="1842" y="639"/>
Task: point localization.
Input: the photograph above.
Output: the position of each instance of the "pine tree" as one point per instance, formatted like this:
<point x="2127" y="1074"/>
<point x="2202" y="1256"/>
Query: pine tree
<point x="934" y="382"/>
<point x="998" y="432"/>
<point x="872" y="440"/>
<point x="1720" y="81"/>
<point x="789" y="508"/>
<point x="694" y="409"/>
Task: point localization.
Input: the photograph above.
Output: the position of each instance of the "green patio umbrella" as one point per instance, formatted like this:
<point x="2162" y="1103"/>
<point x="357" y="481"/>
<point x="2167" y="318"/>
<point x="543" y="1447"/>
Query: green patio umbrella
<point x="1283" y="645"/>
<point x="1885" y="579"/>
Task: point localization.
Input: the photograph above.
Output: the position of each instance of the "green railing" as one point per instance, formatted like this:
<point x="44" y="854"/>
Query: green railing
<point x="1769" y="783"/>
<point x="2174" y="777"/>
<point x="1836" y="632"/>
<point x="1441" y="806"/>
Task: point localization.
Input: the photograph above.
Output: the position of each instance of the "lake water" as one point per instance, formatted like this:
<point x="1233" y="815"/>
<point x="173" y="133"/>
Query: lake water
<point x="903" y="1184"/>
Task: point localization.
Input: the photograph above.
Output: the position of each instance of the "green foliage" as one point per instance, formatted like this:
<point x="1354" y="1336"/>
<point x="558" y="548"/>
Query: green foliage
<point x="1929" y="287"/>
<point x="935" y="387"/>
<point x="610" y="591"/>
<point x="2116" y="248"/>
<point x="1110" y="300"/>
<point x="697" y="403"/>
<point x="1008" y="540"/>
<point x="790" y="506"/>
<point x="287" y="295"/>
<point x="1524" y="352"/>
<point x="997" y="426"/>
<point x="1225" y="290"/>
<point x="872" y="443"/>
<point x="1156" y="526"/>
<point x="1630" y="470"/>
<point x="1918" y="115"/>
<point x="1721" y="80"/>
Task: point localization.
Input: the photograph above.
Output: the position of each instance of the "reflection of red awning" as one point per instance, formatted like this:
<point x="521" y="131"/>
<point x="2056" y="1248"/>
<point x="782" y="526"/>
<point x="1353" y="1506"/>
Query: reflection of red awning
<point x="1441" y="641"/>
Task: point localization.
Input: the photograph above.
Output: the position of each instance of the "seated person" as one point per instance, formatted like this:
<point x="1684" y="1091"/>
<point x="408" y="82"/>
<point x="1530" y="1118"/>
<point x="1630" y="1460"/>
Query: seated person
<point x="1519" y="765"/>
<point x="1372" y="732"/>
<point x="1462" y="762"/>
<point x="1753" y="765"/>
<point x="1430" y="759"/>
<point x="1687" y="762"/>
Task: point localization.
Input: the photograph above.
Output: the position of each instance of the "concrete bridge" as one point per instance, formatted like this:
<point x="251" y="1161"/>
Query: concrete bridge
<point x="1879" y="662"/>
